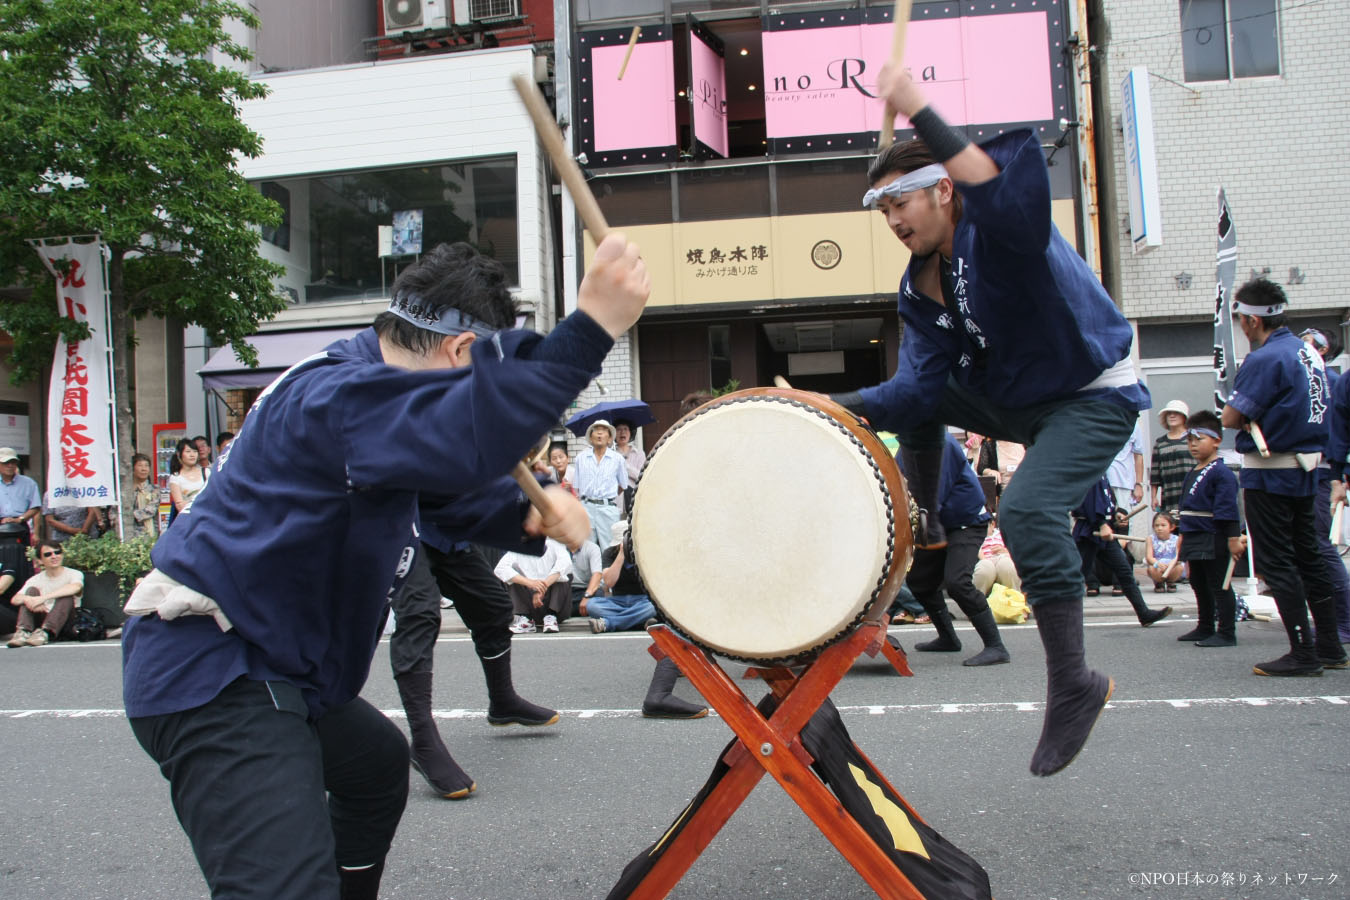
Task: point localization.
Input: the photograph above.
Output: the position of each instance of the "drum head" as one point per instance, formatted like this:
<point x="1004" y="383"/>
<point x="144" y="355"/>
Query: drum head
<point x="762" y="528"/>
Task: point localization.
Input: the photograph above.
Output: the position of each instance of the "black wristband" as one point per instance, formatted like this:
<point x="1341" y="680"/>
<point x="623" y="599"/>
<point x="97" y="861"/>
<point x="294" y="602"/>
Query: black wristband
<point x="851" y="401"/>
<point x="944" y="140"/>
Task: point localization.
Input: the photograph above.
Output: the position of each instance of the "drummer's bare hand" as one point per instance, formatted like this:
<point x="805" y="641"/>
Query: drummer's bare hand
<point x="1337" y="491"/>
<point x="567" y="524"/>
<point x="616" y="286"/>
<point x="895" y="86"/>
<point x="1236" y="545"/>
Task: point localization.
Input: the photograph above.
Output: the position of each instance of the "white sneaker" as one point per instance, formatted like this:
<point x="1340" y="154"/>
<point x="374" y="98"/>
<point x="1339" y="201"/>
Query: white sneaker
<point x="521" y="625"/>
<point x="550" y="624"/>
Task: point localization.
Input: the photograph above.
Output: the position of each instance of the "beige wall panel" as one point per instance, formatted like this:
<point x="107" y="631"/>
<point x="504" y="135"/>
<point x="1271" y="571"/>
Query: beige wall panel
<point x="827" y="255"/>
<point x="657" y="243"/>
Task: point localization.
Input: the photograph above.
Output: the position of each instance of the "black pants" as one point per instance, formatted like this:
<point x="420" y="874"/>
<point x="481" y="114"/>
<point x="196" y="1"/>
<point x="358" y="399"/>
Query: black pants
<point x="950" y="567"/>
<point x="480" y="599"/>
<point x="1122" y="572"/>
<point x="1214" y="604"/>
<point x="1284" y="541"/>
<point x="272" y="801"/>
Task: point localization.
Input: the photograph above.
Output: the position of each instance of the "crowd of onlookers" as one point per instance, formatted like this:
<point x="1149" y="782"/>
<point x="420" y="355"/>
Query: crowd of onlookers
<point x="38" y="593"/>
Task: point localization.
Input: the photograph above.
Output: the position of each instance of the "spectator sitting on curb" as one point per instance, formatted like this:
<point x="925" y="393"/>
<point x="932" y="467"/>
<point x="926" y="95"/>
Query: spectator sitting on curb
<point x="47" y="600"/>
<point x="541" y="592"/>
<point x="628" y="606"/>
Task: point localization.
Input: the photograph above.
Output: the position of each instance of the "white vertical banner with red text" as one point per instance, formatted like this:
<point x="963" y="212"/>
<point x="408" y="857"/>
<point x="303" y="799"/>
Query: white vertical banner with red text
<point x="82" y="465"/>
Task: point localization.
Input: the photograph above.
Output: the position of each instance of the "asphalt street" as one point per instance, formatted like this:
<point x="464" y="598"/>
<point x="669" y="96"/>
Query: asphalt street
<point x="1201" y="780"/>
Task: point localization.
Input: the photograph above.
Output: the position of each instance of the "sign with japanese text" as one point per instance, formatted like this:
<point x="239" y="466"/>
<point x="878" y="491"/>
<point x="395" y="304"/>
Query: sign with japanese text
<point x="81" y="468"/>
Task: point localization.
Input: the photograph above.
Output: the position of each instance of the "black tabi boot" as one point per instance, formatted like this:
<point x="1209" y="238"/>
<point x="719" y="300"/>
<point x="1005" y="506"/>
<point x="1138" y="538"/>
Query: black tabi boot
<point x="1146" y="615"/>
<point x="1226" y="633"/>
<point x="1075" y="695"/>
<point x="946" y="640"/>
<point x="994" y="652"/>
<point x="360" y="884"/>
<point x="1204" y="619"/>
<point x="1301" y="660"/>
<point x="505" y="706"/>
<point x="661" y="703"/>
<point x="429" y="756"/>
<point x="1327" y="643"/>
<point x="923" y="470"/>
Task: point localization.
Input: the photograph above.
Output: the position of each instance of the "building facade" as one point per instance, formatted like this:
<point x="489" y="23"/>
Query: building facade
<point x="1241" y="93"/>
<point x="731" y="141"/>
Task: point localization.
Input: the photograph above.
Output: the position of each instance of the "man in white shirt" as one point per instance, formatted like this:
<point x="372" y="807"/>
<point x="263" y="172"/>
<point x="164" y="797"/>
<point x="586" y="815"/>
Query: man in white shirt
<point x="601" y="477"/>
<point x="540" y="589"/>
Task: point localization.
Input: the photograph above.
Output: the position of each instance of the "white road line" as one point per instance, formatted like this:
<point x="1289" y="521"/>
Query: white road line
<point x="1189" y="703"/>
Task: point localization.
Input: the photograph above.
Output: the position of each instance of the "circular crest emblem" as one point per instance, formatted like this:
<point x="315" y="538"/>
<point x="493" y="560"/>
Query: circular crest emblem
<point x="826" y="254"/>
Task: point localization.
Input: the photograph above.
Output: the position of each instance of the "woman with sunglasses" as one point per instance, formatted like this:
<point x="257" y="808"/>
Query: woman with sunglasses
<point x="47" y="600"/>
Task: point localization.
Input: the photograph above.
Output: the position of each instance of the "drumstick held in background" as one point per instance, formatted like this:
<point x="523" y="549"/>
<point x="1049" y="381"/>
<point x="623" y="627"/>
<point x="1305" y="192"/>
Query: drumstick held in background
<point x="781" y="382"/>
<point x="1137" y="510"/>
<point x="1260" y="439"/>
<point x="632" y="40"/>
<point x="899" y="23"/>
<point x="567" y="167"/>
<point x="1228" y="575"/>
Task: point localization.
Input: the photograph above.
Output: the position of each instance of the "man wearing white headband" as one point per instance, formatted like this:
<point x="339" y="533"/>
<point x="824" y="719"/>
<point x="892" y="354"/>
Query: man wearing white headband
<point x="252" y="638"/>
<point x="1282" y="388"/>
<point x="1009" y="334"/>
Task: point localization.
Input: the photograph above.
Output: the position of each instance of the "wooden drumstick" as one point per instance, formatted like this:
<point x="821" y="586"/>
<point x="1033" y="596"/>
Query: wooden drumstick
<point x="899" y="23"/>
<point x="1137" y="510"/>
<point x="780" y="382"/>
<point x="533" y="492"/>
<point x="568" y="170"/>
<point x="632" y="41"/>
<point x="1168" y="571"/>
<point x="1260" y="439"/>
<point x="1228" y="575"/>
<point x="1126" y="537"/>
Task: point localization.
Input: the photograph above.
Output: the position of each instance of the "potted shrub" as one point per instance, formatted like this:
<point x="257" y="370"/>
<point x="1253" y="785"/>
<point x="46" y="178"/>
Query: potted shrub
<point x="110" y="568"/>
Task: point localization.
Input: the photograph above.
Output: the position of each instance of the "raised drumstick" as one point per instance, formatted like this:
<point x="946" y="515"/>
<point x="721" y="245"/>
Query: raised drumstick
<point x="899" y="22"/>
<point x="780" y="382"/>
<point x="632" y="41"/>
<point x="567" y="167"/>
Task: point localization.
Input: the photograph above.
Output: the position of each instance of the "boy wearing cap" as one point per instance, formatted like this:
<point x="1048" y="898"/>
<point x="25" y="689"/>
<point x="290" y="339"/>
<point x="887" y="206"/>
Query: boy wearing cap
<point x="1008" y="333"/>
<point x="1282" y="388"/>
<point x="1171" y="457"/>
<point x="258" y="625"/>
<point x="601" y="478"/>
<point x="1209" y="533"/>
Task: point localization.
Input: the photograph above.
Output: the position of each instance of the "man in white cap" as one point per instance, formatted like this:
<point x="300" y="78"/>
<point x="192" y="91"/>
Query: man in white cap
<point x="601" y="480"/>
<point x="20" y="501"/>
<point x="1171" y="457"/>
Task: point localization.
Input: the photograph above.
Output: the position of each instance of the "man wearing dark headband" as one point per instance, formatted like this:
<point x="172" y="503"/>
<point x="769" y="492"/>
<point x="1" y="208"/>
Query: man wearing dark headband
<point x="1007" y="333"/>
<point x="256" y="629"/>
<point x="1282" y="389"/>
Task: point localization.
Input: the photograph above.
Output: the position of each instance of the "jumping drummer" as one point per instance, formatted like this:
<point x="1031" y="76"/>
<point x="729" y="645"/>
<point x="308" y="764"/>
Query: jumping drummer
<point x="1007" y="333"/>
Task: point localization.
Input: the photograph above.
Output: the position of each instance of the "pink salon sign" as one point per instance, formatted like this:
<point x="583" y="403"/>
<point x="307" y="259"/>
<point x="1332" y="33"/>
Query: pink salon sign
<point x="986" y="70"/>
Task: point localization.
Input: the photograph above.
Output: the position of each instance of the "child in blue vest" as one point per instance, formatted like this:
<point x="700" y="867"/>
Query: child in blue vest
<point x="1209" y="533"/>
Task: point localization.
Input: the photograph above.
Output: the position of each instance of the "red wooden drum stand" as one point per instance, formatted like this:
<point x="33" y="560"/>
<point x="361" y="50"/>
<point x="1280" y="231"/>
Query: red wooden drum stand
<point x="773" y="745"/>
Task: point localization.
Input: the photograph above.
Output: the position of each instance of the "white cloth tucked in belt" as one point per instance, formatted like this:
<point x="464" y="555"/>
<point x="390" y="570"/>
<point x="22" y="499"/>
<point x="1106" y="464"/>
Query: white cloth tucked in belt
<point x="169" y="599"/>
<point x="1305" y="461"/>
<point x="1122" y="374"/>
<point x="1199" y="513"/>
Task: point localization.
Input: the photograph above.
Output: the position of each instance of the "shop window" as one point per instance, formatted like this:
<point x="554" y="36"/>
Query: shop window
<point x="332" y="244"/>
<point x="724" y="192"/>
<point x="635" y="199"/>
<point x="1223" y="39"/>
<point x="821" y="186"/>
<point x="719" y="356"/>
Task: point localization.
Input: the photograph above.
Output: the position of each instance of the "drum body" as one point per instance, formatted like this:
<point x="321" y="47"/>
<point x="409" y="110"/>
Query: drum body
<point x="768" y="523"/>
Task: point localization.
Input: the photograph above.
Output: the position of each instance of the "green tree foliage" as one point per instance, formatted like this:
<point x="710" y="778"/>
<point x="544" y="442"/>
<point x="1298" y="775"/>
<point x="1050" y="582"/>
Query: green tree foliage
<point x="114" y="120"/>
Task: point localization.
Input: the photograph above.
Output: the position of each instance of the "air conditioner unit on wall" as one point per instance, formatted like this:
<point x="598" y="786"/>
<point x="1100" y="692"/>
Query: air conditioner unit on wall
<point x="467" y="11"/>
<point x="413" y="15"/>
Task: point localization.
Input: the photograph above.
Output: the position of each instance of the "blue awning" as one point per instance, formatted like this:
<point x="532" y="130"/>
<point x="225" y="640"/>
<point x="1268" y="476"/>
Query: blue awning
<point x="277" y="352"/>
